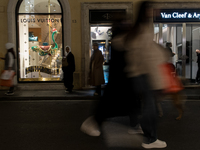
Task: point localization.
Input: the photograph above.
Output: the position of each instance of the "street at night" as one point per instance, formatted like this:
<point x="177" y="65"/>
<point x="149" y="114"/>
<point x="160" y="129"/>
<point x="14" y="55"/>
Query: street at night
<point x="55" y="125"/>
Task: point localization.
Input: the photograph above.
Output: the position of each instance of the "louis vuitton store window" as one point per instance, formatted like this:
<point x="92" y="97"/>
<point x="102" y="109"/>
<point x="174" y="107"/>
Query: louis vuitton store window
<point x="39" y="34"/>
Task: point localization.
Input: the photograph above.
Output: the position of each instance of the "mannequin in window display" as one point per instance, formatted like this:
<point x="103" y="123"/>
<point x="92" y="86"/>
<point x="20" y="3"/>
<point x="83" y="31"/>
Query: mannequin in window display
<point x="68" y="67"/>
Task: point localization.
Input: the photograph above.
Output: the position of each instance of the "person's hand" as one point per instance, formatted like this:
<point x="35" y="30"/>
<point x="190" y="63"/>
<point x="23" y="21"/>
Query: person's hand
<point x="197" y="50"/>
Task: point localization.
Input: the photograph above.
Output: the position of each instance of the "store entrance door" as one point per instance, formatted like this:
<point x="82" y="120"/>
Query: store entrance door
<point x="102" y="35"/>
<point x="185" y="39"/>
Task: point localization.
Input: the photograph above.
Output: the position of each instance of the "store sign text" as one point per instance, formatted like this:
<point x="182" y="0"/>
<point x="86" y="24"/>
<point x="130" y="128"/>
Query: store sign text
<point x="177" y="15"/>
<point x="40" y="20"/>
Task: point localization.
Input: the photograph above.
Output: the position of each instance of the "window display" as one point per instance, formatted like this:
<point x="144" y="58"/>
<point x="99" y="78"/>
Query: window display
<point x="40" y="40"/>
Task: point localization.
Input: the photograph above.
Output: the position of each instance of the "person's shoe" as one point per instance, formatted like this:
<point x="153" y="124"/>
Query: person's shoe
<point x="156" y="144"/>
<point x="96" y="94"/>
<point x="90" y="127"/>
<point x="9" y="93"/>
<point x="136" y="130"/>
<point x="70" y="91"/>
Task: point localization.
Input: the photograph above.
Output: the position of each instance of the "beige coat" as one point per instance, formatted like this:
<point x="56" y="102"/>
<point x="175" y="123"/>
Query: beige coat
<point x="96" y="76"/>
<point x="144" y="56"/>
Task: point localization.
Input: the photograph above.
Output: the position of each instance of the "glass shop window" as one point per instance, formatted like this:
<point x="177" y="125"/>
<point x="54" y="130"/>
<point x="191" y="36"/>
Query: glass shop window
<point x="39" y="25"/>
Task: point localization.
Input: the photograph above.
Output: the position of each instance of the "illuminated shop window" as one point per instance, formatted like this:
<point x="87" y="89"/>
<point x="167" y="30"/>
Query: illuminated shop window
<point x="102" y="35"/>
<point x="39" y="40"/>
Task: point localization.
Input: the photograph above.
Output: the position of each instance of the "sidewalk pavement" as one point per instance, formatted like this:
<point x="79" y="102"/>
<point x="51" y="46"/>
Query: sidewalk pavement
<point x="48" y="95"/>
<point x="191" y="91"/>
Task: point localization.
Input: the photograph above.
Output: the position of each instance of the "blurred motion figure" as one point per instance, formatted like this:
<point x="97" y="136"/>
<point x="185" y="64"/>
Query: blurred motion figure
<point x="10" y="63"/>
<point x="137" y="49"/>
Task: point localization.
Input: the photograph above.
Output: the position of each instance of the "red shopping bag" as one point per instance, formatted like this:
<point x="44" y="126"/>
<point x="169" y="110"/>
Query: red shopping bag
<point x="172" y="82"/>
<point x="7" y="78"/>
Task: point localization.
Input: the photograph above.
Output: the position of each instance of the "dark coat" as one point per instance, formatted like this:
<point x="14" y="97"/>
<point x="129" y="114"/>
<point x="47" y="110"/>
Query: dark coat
<point x="70" y="67"/>
<point x="198" y="58"/>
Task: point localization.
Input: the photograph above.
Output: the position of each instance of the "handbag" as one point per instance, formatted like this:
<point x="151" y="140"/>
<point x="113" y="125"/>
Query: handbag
<point x="64" y="62"/>
<point x="7" y="78"/>
<point x="172" y="82"/>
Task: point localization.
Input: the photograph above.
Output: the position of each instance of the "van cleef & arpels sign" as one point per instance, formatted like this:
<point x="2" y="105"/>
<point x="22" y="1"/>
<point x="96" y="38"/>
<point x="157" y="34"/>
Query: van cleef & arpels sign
<point x="176" y="15"/>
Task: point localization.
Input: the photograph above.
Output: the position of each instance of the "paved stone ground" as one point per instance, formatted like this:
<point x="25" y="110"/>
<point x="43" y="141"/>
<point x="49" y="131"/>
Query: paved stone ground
<point x="54" y="125"/>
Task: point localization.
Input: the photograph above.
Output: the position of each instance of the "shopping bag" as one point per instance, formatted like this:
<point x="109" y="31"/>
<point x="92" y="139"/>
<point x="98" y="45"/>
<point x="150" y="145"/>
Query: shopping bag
<point x="172" y="82"/>
<point x="61" y="76"/>
<point x="7" y="78"/>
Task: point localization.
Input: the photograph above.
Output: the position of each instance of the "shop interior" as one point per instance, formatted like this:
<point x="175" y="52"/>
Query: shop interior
<point x="174" y="33"/>
<point x="102" y="35"/>
<point x="40" y="41"/>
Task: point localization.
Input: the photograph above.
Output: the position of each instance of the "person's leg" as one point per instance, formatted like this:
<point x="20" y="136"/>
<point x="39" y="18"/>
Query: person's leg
<point x="69" y="81"/>
<point x="198" y="73"/>
<point x="102" y="111"/>
<point x="134" y="115"/>
<point x="148" y="122"/>
<point x="176" y="98"/>
<point x="11" y="91"/>
<point x="98" y="89"/>
<point x="158" y="98"/>
<point x="134" y="104"/>
<point x="65" y="79"/>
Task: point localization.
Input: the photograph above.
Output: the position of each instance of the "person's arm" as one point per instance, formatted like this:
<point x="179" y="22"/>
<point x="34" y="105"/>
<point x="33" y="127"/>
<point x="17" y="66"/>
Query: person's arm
<point x="197" y="50"/>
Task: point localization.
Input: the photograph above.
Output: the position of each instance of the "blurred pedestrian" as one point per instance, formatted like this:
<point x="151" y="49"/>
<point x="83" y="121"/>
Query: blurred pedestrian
<point x="113" y="102"/>
<point x="96" y="75"/>
<point x="198" y="62"/>
<point x="143" y="73"/>
<point x="168" y="47"/>
<point x="68" y="67"/>
<point x="139" y="59"/>
<point x="10" y="64"/>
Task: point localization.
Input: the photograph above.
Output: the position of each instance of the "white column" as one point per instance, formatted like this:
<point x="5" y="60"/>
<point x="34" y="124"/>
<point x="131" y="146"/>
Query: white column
<point x="23" y="45"/>
<point x="184" y="49"/>
<point x="160" y="34"/>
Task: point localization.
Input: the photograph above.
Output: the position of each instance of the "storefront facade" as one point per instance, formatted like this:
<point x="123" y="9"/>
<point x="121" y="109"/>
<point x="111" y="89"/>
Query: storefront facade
<point x="36" y="27"/>
<point x="41" y="29"/>
<point x="179" y="24"/>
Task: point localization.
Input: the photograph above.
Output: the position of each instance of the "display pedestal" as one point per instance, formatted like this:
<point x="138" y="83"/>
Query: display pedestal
<point x="34" y="59"/>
